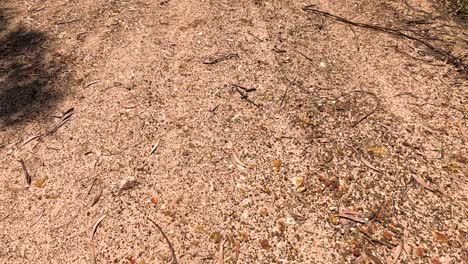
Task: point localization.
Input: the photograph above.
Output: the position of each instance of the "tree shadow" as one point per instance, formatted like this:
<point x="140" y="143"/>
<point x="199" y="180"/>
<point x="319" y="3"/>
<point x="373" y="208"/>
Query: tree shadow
<point x="26" y="76"/>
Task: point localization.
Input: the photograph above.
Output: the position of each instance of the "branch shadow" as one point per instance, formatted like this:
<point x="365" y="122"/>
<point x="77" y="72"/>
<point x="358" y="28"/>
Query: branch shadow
<point x="26" y="73"/>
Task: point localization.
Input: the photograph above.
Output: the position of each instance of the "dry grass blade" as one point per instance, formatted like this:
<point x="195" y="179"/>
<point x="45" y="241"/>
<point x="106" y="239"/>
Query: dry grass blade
<point x="352" y="218"/>
<point x="369" y="165"/>
<point x="91" y="83"/>
<point x="97" y="225"/>
<point x="376" y="106"/>
<point x="28" y="140"/>
<point x="155" y="147"/>
<point x="92" y="251"/>
<point x="65" y="224"/>
<point x="5" y="217"/>
<point x="221" y="251"/>
<point x="38" y="219"/>
<point x="235" y="157"/>
<point x="423" y="183"/>
<point x="174" y="257"/>
<point x="397" y="252"/>
<point x="27" y="176"/>
<point x="92" y="185"/>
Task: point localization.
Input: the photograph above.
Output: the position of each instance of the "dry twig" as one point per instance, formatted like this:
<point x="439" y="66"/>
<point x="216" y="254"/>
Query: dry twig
<point x="441" y="54"/>
<point x="27" y="176"/>
<point x="38" y="219"/>
<point x="174" y="257"/>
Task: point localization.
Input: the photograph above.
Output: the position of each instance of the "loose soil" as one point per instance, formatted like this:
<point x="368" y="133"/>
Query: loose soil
<point x="252" y="131"/>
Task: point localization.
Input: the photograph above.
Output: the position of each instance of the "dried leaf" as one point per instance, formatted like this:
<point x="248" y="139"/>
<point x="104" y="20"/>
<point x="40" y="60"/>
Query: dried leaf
<point x="263" y="211"/>
<point x="420" y="252"/>
<point x="281" y="225"/>
<point x="265" y="244"/>
<point x="440" y="237"/>
<point x="377" y="151"/>
<point x="244" y="236"/>
<point x="297" y="181"/>
<point x="97" y="197"/>
<point x="387" y="235"/>
<point x="40" y="182"/>
<point x="301" y="189"/>
<point x="423" y="183"/>
<point x="276" y="164"/>
<point x="216" y="237"/>
<point x="335" y="220"/>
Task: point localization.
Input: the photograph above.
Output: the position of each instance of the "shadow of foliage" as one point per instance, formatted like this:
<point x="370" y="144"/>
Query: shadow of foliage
<point x="25" y="74"/>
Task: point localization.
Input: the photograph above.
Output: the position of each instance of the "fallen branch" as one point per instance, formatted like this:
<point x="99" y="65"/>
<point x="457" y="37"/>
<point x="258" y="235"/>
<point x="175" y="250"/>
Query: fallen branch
<point x="174" y="257"/>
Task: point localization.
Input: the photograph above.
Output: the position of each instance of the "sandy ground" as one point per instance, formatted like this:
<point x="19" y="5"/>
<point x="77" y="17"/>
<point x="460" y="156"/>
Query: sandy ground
<point x="251" y="131"/>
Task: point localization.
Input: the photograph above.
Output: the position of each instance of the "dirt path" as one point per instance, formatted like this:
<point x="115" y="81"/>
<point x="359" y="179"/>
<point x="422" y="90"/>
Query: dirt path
<point x="253" y="129"/>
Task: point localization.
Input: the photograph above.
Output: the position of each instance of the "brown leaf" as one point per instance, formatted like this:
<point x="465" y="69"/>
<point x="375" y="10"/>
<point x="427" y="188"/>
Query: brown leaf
<point x="377" y="151"/>
<point x="420" y="252"/>
<point x="265" y="244"/>
<point x="440" y="237"/>
<point x="97" y="197"/>
<point x="387" y="235"/>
